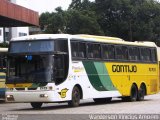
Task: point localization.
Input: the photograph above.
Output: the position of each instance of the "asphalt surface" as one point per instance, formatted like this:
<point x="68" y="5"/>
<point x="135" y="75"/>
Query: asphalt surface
<point x="24" y="111"/>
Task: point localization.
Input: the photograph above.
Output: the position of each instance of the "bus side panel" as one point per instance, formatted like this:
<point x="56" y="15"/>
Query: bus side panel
<point x="2" y="85"/>
<point x="93" y="79"/>
<point x="98" y="76"/>
<point x="123" y="75"/>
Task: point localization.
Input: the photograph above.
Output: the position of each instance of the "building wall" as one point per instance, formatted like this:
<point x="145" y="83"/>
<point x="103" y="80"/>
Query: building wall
<point x="1" y="35"/>
<point x="19" y="31"/>
<point x="14" y="31"/>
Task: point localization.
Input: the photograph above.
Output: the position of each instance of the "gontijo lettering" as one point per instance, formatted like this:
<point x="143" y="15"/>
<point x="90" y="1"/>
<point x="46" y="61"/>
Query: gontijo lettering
<point x="124" y="68"/>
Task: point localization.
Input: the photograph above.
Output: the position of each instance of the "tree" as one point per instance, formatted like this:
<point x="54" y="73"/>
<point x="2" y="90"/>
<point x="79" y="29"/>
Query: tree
<point x="83" y="18"/>
<point x="44" y="20"/>
<point x="76" y="4"/>
<point x="71" y="21"/>
<point x="132" y="20"/>
<point x="83" y="22"/>
<point x="54" y="22"/>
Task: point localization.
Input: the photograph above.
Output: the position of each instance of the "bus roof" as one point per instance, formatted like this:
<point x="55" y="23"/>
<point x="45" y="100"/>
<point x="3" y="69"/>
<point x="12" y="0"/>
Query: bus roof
<point x="98" y="37"/>
<point x="84" y="37"/>
<point x="113" y="40"/>
<point x="40" y="36"/>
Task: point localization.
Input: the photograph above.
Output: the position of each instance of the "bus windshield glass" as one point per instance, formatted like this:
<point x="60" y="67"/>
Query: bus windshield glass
<point x="38" y="46"/>
<point x="30" y="69"/>
<point x="31" y="46"/>
<point x="32" y="61"/>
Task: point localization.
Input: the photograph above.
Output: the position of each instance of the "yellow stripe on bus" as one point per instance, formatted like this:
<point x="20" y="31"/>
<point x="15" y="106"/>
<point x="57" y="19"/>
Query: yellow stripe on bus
<point x="103" y="38"/>
<point x="19" y="85"/>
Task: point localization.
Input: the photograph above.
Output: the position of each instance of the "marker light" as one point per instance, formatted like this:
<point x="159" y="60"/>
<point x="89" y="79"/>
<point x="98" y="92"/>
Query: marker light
<point x="43" y="96"/>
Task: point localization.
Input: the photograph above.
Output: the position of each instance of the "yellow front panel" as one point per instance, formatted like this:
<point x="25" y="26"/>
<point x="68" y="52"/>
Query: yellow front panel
<point x="2" y="79"/>
<point x="2" y="83"/>
<point x="19" y="85"/>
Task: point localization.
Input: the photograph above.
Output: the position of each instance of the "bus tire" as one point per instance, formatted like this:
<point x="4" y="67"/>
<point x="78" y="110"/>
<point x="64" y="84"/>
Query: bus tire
<point x="36" y="105"/>
<point x="75" y="97"/>
<point x="102" y="100"/>
<point x="133" y="93"/>
<point x="141" y="93"/>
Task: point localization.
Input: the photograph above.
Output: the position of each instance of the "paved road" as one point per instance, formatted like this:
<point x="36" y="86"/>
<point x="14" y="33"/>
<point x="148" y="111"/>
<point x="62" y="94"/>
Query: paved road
<point x="151" y="105"/>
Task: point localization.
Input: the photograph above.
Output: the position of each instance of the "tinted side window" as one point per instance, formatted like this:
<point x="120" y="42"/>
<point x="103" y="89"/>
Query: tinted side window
<point x="108" y="52"/>
<point x="145" y="54"/>
<point x="61" y="45"/>
<point x="154" y="55"/>
<point x="2" y="63"/>
<point x="82" y="50"/>
<point x="74" y="49"/>
<point x="94" y="50"/>
<point x="121" y="53"/>
<point x="134" y="53"/>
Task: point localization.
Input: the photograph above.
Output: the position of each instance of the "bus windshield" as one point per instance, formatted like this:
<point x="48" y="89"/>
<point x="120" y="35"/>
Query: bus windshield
<point x="38" y="46"/>
<point x="36" y="61"/>
<point x="30" y="69"/>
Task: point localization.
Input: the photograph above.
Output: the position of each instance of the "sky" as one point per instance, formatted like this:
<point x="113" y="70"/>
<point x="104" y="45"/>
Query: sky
<point x="44" y="5"/>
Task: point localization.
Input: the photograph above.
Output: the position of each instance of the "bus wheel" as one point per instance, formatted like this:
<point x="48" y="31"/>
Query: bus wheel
<point x="75" y="97"/>
<point x="141" y="93"/>
<point x="36" y="105"/>
<point x="134" y="93"/>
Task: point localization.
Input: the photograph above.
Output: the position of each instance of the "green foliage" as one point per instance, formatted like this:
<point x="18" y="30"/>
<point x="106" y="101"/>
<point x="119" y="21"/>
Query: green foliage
<point x="78" y="19"/>
<point x="132" y="20"/>
<point x="53" y="22"/>
<point x="4" y="45"/>
<point x="83" y="22"/>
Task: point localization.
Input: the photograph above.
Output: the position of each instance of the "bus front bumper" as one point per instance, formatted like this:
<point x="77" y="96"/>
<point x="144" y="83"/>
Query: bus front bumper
<point x="28" y="96"/>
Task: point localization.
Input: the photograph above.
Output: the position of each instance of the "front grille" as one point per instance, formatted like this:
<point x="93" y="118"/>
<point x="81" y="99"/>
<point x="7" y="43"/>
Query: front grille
<point x="26" y="89"/>
<point x="32" y="88"/>
<point x="20" y="88"/>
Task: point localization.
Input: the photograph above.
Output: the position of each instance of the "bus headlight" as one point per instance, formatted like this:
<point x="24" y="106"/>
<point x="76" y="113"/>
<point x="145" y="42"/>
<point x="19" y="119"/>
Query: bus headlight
<point x="50" y="88"/>
<point x="10" y="98"/>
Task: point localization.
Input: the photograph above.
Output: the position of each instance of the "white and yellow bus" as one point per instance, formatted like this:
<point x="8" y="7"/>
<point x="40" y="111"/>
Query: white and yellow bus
<point x="66" y="68"/>
<point x="3" y="56"/>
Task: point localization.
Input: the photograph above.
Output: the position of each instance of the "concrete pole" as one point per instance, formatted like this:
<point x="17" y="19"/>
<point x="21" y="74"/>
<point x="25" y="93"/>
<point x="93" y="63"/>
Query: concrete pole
<point x="4" y="35"/>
